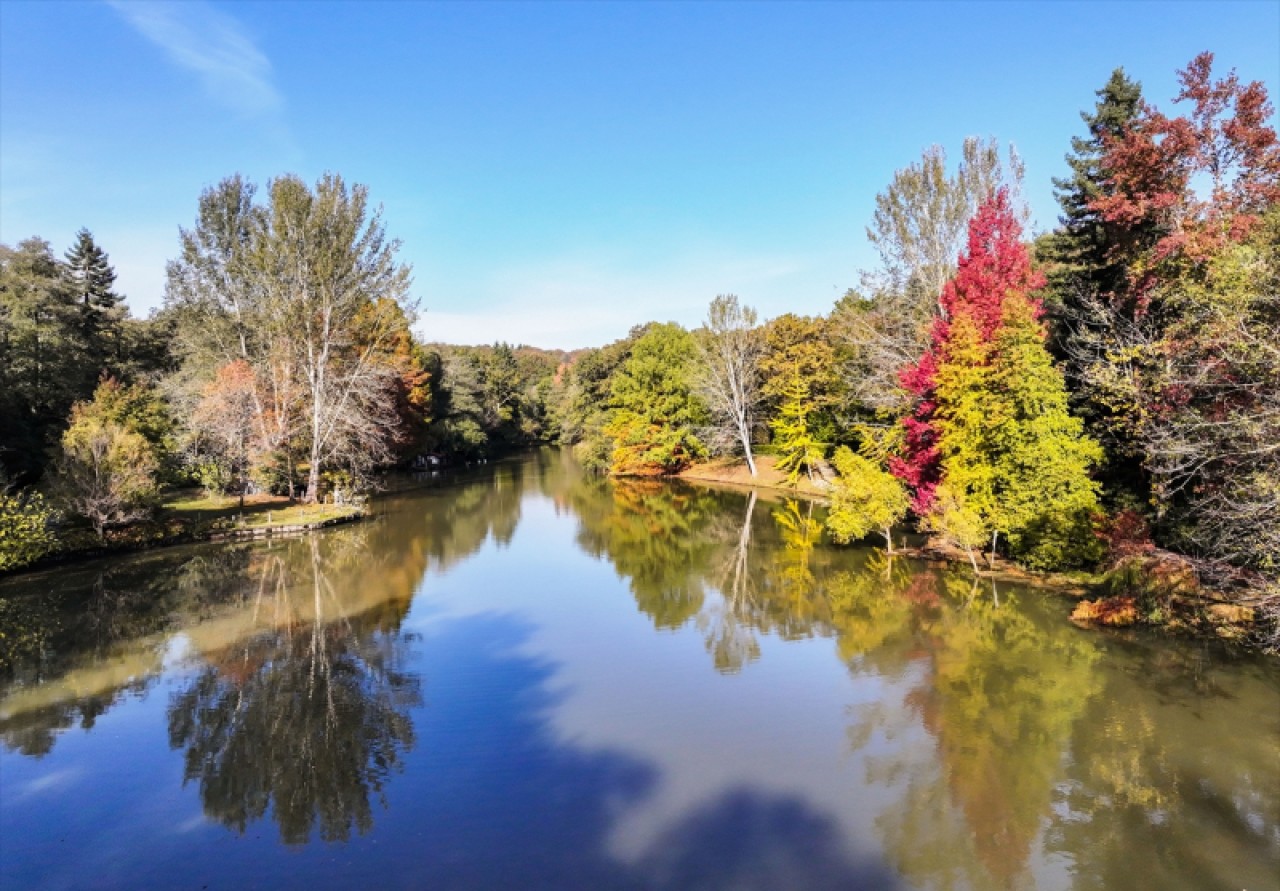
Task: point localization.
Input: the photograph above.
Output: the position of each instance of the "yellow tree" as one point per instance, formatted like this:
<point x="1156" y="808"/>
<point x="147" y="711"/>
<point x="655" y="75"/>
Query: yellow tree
<point x="865" y="498"/>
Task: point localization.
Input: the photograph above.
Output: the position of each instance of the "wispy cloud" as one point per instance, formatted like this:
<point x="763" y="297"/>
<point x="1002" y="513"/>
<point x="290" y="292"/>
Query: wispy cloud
<point x="214" y="46"/>
<point x="568" y="302"/>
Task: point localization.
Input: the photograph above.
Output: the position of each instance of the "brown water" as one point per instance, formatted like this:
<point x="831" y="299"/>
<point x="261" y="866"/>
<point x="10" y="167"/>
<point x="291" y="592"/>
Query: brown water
<point x="525" y="677"/>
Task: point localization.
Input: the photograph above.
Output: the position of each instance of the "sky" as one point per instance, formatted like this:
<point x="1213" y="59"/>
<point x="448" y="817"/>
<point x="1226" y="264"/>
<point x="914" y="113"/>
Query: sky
<point x="560" y="172"/>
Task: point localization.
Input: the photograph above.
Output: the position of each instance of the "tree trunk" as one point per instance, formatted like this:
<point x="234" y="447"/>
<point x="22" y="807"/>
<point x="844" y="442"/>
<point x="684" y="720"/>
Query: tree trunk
<point x="751" y="461"/>
<point x="991" y="561"/>
<point x="888" y="539"/>
<point x="313" y="483"/>
<point x="969" y="551"/>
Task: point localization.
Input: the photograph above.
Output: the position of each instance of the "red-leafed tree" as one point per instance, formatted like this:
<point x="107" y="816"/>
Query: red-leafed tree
<point x="994" y="264"/>
<point x="1181" y="359"/>
<point x="1200" y="181"/>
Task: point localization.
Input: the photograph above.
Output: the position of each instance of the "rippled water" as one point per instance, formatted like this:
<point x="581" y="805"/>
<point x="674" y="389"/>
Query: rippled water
<point x="524" y="677"/>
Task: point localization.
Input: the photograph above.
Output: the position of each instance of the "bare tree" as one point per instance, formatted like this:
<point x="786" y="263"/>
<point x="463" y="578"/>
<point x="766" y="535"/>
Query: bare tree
<point x="920" y="219"/>
<point x="327" y="264"/>
<point x="1200" y="401"/>
<point x="728" y="378"/>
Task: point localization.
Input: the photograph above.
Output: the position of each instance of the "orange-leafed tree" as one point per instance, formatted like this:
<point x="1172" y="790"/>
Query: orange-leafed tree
<point x="226" y="418"/>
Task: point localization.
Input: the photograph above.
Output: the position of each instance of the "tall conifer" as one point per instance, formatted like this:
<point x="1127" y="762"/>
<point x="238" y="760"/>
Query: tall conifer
<point x="994" y="264"/>
<point x="91" y="278"/>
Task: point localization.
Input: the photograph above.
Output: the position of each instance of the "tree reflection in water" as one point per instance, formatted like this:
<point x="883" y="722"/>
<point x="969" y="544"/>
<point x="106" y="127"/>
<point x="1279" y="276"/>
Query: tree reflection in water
<point x="995" y="694"/>
<point x="83" y="618"/>
<point x="656" y="535"/>
<point x="998" y="699"/>
<point x="307" y="719"/>
<point x="726" y="624"/>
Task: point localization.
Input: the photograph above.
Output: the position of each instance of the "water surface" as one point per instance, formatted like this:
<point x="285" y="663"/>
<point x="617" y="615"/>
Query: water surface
<point x="525" y="677"/>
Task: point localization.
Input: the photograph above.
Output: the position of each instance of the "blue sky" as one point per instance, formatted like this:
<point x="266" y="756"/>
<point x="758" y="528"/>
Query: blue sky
<point x="559" y="172"/>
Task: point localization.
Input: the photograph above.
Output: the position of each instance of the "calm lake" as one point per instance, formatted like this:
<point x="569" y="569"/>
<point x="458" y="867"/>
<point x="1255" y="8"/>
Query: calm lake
<point x="521" y="676"/>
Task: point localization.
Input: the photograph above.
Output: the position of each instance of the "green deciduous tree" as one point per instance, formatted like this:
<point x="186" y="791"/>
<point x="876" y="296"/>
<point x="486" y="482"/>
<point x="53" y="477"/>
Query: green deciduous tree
<point x="587" y="400"/>
<point x="106" y="472"/>
<point x="953" y="520"/>
<point x="655" y="409"/>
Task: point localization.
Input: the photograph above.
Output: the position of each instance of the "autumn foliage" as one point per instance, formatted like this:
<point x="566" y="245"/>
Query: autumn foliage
<point x="994" y="265"/>
<point x="1197" y="181"/>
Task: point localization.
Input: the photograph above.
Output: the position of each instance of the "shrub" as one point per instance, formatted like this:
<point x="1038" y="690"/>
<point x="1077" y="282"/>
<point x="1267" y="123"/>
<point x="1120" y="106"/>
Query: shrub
<point x="25" y="533"/>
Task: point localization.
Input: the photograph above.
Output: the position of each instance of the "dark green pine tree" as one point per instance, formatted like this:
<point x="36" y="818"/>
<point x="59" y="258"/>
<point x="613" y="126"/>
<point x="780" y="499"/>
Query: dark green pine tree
<point x="1086" y="262"/>
<point x="90" y="271"/>
<point x="101" y="312"/>
<point x="1083" y="255"/>
<point x="41" y="372"/>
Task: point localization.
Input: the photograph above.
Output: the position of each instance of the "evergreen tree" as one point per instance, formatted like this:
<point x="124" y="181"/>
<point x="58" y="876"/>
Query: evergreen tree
<point x="41" y="373"/>
<point x="1082" y="254"/>
<point x="1086" y="263"/>
<point x="798" y="449"/>
<point x="1010" y="449"/>
<point x="101" y="312"/>
<point x="92" y="277"/>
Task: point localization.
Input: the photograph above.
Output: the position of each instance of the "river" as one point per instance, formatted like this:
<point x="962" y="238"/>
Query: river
<point x="523" y="676"/>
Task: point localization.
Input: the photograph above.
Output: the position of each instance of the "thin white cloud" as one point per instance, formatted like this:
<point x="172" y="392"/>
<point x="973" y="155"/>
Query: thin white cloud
<point x="199" y="38"/>
<point x="570" y="302"/>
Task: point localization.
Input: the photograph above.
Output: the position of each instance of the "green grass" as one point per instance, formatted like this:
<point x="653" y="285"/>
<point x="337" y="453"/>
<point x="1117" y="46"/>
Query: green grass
<point x="299" y="514"/>
<point x="258" y="512"/>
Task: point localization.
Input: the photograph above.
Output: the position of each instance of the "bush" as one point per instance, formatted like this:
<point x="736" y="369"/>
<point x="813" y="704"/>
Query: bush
<point x="106" y="473"/>
<point x="1056" y="540"/>
<point x="270" y="474"/>
<point x="213" y="477"/>
<point x="25" y="533"/>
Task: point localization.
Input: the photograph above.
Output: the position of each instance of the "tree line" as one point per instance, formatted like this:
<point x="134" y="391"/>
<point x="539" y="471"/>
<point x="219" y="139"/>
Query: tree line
<point x="1025" y="396"/>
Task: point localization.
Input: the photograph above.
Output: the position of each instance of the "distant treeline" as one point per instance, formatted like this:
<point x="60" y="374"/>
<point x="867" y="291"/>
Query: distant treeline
<point x="1112" y="384"/>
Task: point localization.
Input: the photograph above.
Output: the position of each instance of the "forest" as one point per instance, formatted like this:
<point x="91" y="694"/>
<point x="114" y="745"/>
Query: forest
<point x="1105" y="395"/>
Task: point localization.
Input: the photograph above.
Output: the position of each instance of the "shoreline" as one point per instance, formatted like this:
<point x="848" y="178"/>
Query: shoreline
<point x="153" y="535"/>
<point x="1188" y="611"/>
<point x="735" y="473"/>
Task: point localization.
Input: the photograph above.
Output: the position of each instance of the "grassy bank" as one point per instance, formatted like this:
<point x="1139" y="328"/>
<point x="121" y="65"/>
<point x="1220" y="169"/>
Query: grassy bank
<point x="190" y="516"/>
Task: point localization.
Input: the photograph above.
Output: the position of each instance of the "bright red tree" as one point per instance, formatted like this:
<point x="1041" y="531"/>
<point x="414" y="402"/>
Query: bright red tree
<point x="994" y="264"/>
